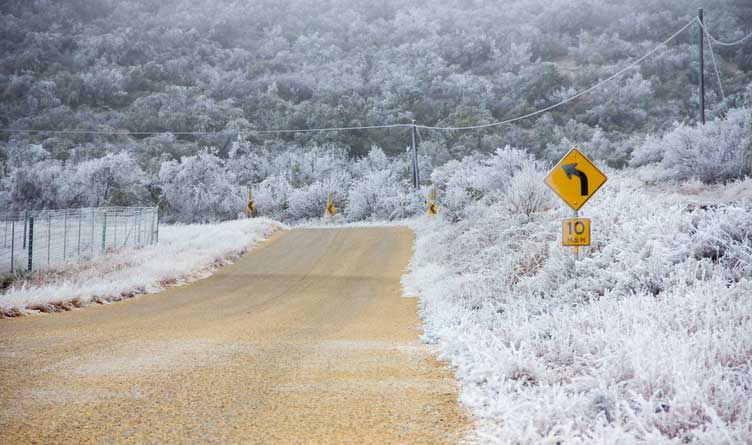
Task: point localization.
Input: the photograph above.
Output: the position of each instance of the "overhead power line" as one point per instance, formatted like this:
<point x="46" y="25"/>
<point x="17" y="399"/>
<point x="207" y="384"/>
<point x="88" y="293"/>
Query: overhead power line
<point x="715" y="65"/>
<point x="565" y="101"/>
<point x="718" y="42"/>
<point x="198" y="133"/>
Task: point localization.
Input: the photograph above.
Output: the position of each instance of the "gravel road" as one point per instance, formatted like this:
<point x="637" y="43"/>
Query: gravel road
<point x="306" y="339"/>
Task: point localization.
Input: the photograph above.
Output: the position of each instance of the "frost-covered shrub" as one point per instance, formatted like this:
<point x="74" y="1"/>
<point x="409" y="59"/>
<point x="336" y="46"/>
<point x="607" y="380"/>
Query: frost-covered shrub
<point x="643" y="340"/>
<point x="271" y="195"/>
<point x="197" y="189"/>
<point x="111" y="180"/>
<point x="527" y="193"/>
<point x="376" y="195"/>
<point x="477" y="180"/>
<point x="310" y="201"/>
<point x="715" y="152"/>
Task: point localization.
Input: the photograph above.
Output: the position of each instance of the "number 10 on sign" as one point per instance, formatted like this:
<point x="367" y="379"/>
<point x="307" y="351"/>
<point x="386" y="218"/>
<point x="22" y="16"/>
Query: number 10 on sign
<point x="575" y="232"/>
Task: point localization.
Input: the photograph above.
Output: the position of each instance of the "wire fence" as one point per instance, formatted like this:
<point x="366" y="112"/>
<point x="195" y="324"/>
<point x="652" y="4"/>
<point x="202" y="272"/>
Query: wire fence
<point x="31" y="240"/>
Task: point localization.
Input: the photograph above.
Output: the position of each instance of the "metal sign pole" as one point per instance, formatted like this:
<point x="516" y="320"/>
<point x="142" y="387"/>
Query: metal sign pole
<point x="576" y="248"/>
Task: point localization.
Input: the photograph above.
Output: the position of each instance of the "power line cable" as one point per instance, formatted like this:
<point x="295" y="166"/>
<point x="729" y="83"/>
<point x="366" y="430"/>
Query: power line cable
<point x="718" y="42"/>
<point x="565" y="101"/>
<point x="420" y="138"/>
<point x="198" y="133"/>
<point x="715" y="65"/>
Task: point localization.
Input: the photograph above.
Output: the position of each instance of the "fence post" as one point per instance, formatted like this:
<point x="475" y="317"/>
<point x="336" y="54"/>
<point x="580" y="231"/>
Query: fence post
<point x="12" y="244"/>
<point x="151" y="226"/>
<point x="49" y="236"/>
<point x="26" y="217"/>
<point x="30" y="244"/>
<point x="78" y="243"/>
<point x="156" y="241"/>
<point x="104" y="231"/>
<point x="93" y="224"/>
<point x="65" y="236"/>
<point x="5" y="235"/>
<point x="138" y="226"/>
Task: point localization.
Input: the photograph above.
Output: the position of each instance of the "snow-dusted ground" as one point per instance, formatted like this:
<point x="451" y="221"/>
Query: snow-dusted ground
<point x="184" y="253"/>
<point x="646" y="339"/>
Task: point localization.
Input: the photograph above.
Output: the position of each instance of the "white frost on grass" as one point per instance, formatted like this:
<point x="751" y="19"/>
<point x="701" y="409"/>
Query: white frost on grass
<point x="184" y="253"/>
<point x="647" y="339"/>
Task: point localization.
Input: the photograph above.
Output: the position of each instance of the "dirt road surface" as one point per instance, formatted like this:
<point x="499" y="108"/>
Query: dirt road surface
<point x="306" y="339"/>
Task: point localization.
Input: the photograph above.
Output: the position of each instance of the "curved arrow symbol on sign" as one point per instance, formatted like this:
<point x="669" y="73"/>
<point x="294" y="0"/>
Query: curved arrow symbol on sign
<point x="571" y="169"/>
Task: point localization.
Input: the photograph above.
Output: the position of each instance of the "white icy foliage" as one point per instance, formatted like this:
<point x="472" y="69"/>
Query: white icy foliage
<point x="646" y="339"/>
<point x="715" y="152"/>
<point x="197" y="188"/>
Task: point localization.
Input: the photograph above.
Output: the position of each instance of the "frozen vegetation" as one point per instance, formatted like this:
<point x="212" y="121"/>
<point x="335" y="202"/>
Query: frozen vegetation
<point x="184" y="253"/>
<point x="164" y="68"/>
<point x="645" y="339"/>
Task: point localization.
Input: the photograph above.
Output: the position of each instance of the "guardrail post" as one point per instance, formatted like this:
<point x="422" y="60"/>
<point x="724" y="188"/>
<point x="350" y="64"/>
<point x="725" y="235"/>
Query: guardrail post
<point x="30" y="244"/>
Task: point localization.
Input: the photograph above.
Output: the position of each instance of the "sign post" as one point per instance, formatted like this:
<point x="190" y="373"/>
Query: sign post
<point x="575" y="179"/>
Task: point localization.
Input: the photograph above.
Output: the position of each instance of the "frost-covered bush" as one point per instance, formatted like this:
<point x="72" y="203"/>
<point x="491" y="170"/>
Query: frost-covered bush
<point x="374" y="196"/>
<point x="715" y="152"/>
<point x="527" y="193"/>
<point x="310" y="201"/>
<point x="478" y="180"/>
<point x="644" y="340"/>
<point x="271" y="195"/>
<point x="197" y="189"/>
<point x="376" y="191"/>
<point x="111" y="180"/>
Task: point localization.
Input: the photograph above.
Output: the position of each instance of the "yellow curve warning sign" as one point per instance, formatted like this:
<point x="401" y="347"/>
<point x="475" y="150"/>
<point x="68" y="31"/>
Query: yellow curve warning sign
<point x="575" y="232"/>
<point x="331" y="209"/>
<point x="250" y="206"/>
<point x="575" y="179"/>
<point x="433" y="206"/>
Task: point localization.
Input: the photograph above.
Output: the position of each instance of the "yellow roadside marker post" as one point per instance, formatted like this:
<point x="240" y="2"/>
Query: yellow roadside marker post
<point x="433" y="206"/>
<point x="331" y="209"/>
<point x="250" y="206"/>
<point x="575" y="179"/>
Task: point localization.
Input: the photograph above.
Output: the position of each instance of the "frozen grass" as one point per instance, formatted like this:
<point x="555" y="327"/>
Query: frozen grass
<point x="184" y="253"/>
<point x="647" y="339"/>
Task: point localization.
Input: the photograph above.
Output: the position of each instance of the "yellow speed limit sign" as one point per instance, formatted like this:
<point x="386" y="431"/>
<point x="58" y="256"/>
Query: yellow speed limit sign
<point x="575" y="232"/>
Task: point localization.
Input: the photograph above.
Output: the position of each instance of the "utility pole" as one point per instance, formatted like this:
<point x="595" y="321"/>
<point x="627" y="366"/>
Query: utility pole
<point x="416" y="173"/>
<point x="702" y="64"/>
